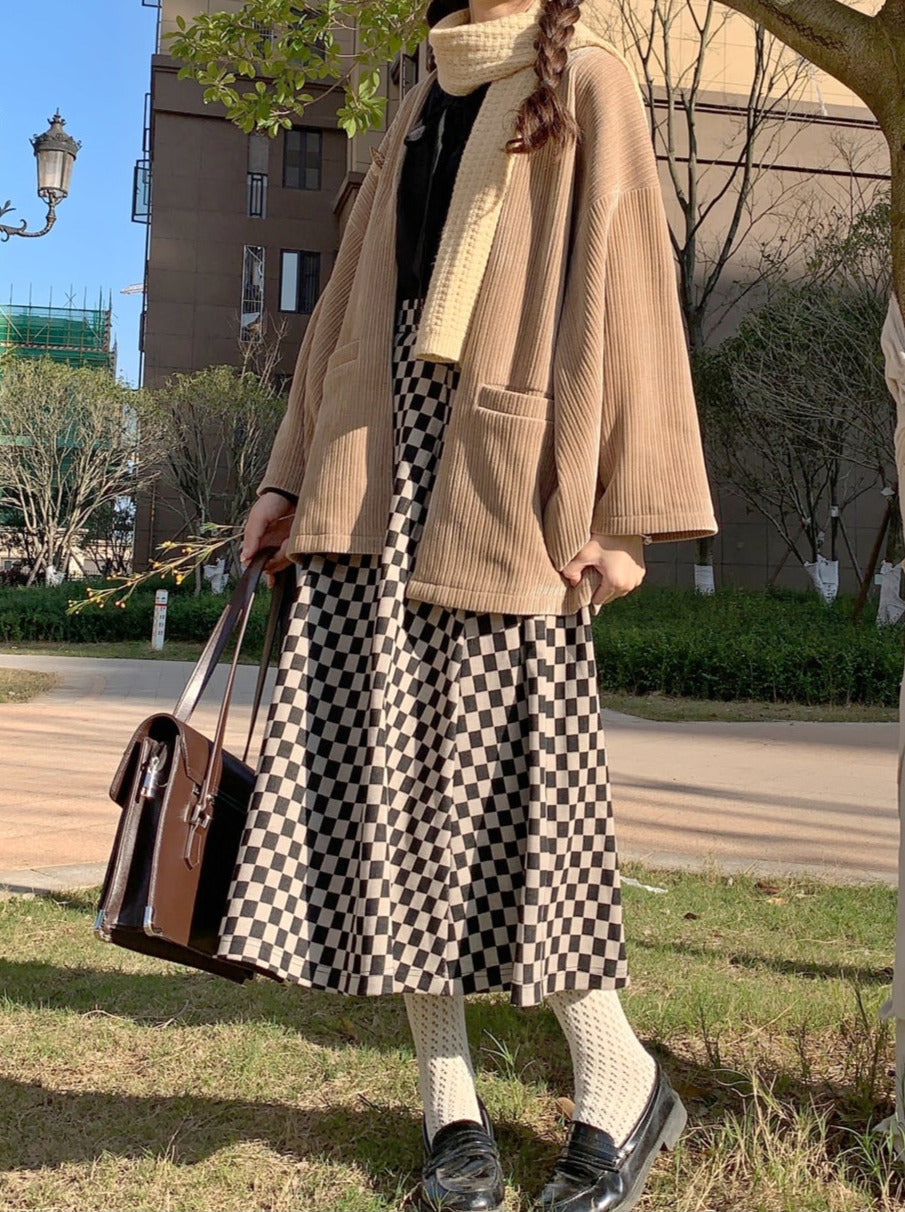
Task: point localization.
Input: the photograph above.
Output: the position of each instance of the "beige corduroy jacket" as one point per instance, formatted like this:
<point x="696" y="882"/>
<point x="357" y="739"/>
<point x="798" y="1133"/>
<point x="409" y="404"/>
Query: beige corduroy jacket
<point x="574" y="411"/>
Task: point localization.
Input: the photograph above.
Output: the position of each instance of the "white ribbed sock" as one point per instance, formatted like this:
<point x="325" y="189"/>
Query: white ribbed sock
<point x="614" y="1073"/>
<point x="445" y="1074"/>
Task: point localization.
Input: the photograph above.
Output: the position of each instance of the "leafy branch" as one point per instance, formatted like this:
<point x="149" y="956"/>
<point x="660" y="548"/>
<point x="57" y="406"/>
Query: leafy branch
<point x="268" y="61"/>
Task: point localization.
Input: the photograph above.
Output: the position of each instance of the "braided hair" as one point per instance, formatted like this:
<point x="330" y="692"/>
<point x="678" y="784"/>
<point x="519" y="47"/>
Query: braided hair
<point x="542" y="115"/>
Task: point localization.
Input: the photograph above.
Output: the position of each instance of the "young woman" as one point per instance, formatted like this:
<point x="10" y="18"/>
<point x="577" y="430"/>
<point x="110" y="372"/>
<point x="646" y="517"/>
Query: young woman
<point x="490" y="414"/>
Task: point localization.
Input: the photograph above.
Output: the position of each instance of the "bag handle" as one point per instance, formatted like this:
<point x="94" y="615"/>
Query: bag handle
<point x="235" y="615"/>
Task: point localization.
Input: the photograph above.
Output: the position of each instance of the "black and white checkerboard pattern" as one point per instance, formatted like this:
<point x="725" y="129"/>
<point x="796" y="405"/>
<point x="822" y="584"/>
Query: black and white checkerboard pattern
<point x="432" y="810"/>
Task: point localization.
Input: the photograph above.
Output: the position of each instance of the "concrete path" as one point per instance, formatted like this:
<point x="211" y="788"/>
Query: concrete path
<point x="788" y="797"/>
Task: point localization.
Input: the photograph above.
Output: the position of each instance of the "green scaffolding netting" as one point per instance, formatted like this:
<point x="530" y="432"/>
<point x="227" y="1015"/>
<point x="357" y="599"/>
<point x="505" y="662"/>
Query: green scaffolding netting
<point x="80" y="336"/>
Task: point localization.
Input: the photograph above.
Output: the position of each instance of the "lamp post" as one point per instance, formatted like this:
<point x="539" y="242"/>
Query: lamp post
<point x="55" y="152"/>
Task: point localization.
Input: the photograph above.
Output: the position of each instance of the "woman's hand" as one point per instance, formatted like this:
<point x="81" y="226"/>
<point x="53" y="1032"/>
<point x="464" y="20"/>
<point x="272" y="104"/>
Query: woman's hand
<point x="618" y="558"/>
<point x="268" y="525"/>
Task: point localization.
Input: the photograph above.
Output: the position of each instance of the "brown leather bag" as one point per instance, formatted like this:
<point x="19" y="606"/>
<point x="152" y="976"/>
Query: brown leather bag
<point x="184" y="802"/>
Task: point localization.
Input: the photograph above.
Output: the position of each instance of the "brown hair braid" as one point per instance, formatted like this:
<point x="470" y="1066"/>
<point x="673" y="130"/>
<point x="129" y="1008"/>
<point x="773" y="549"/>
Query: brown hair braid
<point x="542" y="115"/>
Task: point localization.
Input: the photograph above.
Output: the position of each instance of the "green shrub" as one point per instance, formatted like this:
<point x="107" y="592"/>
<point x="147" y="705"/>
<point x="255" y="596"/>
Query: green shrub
<point x="40" y="613"/>
<point x="774" y="646"/>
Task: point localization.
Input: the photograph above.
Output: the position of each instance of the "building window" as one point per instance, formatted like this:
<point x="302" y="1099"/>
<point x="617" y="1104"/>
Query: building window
<point x="252" y="312"/>
<point x="258" y="163"/>
<point x="141" y="192"/>
<point x="257" y="195"/>
<point x="404" y="72"/>
<point x="300" y="278"/>
<point x="302" y="153"/>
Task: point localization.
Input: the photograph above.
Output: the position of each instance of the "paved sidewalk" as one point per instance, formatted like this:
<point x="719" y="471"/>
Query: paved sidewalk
<point x="58" y="754"/>
<point x="784" y="797"/>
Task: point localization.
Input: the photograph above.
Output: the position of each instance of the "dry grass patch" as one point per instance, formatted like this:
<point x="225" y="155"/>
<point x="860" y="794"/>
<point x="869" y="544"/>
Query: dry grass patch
<point x="129" y="1084"/>
<point x="21" y="685"/>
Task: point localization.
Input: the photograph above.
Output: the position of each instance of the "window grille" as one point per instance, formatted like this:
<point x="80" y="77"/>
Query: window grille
<point x="404" y="72"/>
<point x="257" y="195"/>
<point x="146" y="129"/>
<point x="141" y="192"/>
<point x="252" y="312"/>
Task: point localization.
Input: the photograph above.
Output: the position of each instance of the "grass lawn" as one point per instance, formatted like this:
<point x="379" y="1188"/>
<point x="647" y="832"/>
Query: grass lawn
<point x="20" y="685"/>
<point x="130" y="1084"/>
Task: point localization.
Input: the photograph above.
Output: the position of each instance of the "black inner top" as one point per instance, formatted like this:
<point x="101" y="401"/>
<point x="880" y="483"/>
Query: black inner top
<point x="434" y="149"/>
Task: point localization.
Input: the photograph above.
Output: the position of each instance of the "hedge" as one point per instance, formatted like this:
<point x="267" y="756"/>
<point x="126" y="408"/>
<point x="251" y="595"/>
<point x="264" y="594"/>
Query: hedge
<point x="778" y="646"/>
<point x="775" y="646"/>
<point x="39" y="613"/>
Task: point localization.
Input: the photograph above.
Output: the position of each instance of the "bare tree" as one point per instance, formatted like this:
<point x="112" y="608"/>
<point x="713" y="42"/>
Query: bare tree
<point x="108" y="541"/>
<point x="674" y="42"/>
<point x="219" y="425"/>
<point x="799" y="418"/>
<point x="68" y="450"/>
<point x="722" y="197"/>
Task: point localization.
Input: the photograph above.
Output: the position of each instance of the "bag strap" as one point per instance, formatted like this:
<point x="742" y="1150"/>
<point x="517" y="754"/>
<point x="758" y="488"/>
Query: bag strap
<point x="212" y="774"/>
<point x="279" y="600"/>
<point x="234" y="613"/>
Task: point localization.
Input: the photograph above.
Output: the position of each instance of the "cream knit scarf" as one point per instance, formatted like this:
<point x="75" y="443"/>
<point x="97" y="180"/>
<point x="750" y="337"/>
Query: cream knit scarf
<point x="468" y="55"/>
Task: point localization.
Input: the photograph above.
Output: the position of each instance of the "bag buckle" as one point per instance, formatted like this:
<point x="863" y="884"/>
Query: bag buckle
<point x="194" y="843"/>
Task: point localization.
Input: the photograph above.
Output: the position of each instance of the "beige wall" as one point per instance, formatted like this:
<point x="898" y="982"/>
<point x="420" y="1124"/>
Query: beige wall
<point x="728" y="65"/>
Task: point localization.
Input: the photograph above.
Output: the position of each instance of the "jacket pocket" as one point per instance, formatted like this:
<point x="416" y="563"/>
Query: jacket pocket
<point x="484" y="529"/>
<point x="347" y="352"/>
<point x="533" y="406"/>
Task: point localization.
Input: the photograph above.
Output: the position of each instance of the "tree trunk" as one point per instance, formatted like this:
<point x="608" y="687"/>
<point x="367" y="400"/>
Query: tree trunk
<point x="895" y="137"/>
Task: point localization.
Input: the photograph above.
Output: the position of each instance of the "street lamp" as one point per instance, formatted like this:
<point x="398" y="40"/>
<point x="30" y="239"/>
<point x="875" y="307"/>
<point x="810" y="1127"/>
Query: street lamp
<point x="55" y="152"/>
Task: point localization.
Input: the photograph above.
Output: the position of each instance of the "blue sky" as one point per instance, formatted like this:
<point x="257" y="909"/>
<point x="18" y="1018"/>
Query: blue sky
<point x="91" y="60"/>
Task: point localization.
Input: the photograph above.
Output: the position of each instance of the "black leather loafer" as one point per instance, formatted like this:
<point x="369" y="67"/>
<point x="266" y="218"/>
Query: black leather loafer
<point x="592" y="1174"/>
<point x="462" y="1171"/>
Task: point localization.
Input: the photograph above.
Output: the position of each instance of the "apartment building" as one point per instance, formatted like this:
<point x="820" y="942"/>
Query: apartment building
<point x="242" y="229"/>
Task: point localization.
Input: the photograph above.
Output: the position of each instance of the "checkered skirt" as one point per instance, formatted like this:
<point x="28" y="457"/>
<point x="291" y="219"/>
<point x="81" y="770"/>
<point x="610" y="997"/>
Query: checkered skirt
<point x="432" y="810"/>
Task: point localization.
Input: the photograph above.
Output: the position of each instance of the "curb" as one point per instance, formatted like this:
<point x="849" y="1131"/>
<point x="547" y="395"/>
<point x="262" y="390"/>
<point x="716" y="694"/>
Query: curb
<point x="30" y="881"/>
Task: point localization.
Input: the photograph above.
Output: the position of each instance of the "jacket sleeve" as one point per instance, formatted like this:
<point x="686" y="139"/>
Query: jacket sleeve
<point x="286" y="467"/>
<point x="651" y="475"/>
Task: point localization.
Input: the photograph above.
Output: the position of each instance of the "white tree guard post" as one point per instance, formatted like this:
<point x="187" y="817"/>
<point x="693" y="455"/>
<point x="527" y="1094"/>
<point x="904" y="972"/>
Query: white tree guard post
<point x="216" y="574"/>
<point x="892" y="604"/>
<point x="159" y="625"/>
<point x="703" y="579"/>
<point x="893" y="342"/>
<point x="825" y="575"/>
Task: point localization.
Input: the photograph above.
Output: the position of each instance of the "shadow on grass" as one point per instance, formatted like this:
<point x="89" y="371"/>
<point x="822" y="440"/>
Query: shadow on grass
<point x="807" y="969"/>
<point x="47" y="1128"/>
<point x="183" y="996"/>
